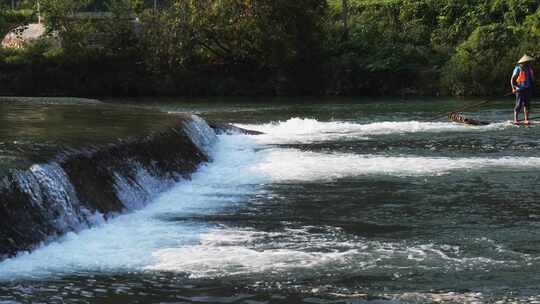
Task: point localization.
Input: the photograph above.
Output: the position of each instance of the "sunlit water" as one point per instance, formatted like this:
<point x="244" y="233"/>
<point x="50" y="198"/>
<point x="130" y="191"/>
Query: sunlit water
<point x="336" y="202"/>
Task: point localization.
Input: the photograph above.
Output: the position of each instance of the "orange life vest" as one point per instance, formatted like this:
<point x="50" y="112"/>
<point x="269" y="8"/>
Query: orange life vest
<point x="524" y="79"/>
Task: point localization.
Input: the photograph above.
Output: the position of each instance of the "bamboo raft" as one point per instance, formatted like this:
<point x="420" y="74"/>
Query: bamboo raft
<point x="459" y="118"/>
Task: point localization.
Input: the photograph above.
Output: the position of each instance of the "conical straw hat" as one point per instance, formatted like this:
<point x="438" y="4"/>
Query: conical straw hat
<point x="525" y="59"/>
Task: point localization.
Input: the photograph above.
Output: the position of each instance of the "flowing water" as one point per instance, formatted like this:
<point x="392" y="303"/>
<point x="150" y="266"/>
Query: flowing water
<point x="340" y="201"/>
<point x="35" y="130"/>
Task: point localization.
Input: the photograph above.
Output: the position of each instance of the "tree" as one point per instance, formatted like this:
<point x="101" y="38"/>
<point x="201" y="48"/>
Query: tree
<point x="482" y="63"/>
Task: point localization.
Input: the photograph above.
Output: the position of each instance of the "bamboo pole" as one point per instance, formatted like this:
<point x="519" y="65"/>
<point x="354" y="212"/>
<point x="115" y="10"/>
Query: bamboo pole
<point x="469" y="107"/>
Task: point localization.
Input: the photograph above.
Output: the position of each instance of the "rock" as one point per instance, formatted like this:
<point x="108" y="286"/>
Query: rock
<point x="23" y="35"/>
<point x="224" y="128"/>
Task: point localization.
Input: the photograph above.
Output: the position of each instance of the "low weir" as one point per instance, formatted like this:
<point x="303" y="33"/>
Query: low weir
<point x="74" y="188"/>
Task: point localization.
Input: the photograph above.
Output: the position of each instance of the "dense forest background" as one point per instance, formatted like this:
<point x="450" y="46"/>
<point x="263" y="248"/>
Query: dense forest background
<point x="269" y="47"/>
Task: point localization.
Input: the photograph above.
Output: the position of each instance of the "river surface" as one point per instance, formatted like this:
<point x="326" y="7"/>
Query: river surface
<point x="340" y="201"/>
<point x="34" y="130"/>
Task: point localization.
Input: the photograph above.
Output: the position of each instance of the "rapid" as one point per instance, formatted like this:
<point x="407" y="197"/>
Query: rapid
<point x="354" y="205"/>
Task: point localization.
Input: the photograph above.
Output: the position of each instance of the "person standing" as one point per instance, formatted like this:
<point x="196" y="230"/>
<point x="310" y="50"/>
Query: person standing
<point x="522" y="83"/>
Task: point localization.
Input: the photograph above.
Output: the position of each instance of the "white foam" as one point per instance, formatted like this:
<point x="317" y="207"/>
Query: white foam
<point x="226" y="252"/>
<point x="232" y="252"/>
<point x="127" y="243"/>
<point x="147" y="241"/>
<point x="295" y="165"/>
<point x="298" y="130"/>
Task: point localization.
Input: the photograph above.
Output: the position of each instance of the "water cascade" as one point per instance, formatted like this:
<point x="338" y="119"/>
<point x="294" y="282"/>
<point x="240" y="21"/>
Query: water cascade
<point x="80" y="188"/>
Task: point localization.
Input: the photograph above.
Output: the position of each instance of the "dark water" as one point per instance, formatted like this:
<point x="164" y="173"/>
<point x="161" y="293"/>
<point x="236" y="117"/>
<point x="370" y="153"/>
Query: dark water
<point x="341" y="201"/>
<point x="35" y="130"/>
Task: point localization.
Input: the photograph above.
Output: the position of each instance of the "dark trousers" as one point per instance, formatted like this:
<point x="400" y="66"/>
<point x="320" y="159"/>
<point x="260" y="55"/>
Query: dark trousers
<point x="523" y="99"/>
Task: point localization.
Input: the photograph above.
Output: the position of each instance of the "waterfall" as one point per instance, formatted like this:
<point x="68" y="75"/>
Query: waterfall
<point x="82" y="188"/>
<point x="200" y="133"/>
<point x="50" y="190"/>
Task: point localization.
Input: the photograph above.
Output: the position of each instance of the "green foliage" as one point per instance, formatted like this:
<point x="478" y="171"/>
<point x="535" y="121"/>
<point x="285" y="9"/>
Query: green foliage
<point x="459" y="47"/>
<point x="482" y="63"/>
<point x="282" y="38"/>
<point x="246" y="47"/>
<point x="10" y="19"/>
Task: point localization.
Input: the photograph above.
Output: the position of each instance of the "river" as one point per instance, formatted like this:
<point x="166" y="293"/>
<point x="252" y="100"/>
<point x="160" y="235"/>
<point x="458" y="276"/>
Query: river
<point x="339" y="201"/>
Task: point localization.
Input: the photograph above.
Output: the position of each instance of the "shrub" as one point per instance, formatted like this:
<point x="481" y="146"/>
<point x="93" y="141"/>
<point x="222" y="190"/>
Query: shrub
<point x="483" y="63"/>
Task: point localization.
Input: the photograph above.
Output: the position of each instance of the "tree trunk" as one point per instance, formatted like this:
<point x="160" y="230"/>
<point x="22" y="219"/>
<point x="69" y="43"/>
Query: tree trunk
<point x="345" y="16"/>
